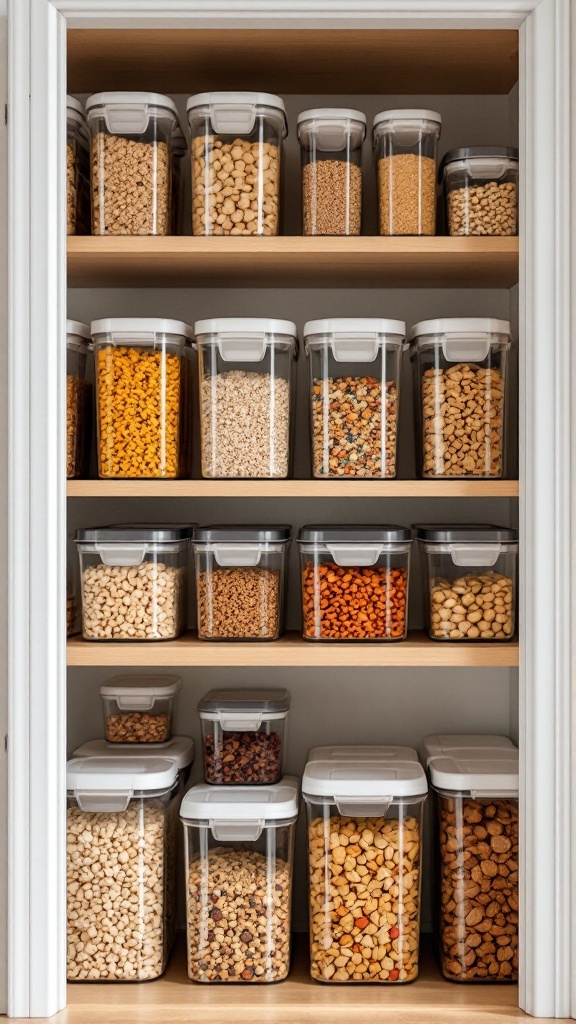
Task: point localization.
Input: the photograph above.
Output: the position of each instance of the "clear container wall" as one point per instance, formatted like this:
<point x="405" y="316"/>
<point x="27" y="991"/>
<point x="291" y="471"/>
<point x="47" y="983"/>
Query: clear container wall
<point x="78" y="410"/>
<point x="77" y="180"/>
<point x="243" y="756"/>
<point x="482" y="197"/>
<point x="467" y="601"/>
<point x="331" y="179"/>
<point x="406" y="172"/>
<point x="242" y="601"/>
<point x="131" y="725"/>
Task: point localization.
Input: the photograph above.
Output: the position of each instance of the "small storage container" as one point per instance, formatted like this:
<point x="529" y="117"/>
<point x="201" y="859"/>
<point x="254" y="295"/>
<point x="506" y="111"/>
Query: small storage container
<point x="241" y="581"/>
<point x="460" y="395"/>
<point x="331" y="144"/>
<point x="244" y="736"/>
<point x="363" y="753"/>
<point x="131" y="148"/>
<point x="139" y="709"/>
<point x="122" y="835"/>
<point x="364" y="823"/>
<point x="140" y="396"/>
<point x="481" y="190"/>
<point x="355" y="367"/>
<point x="405" y="145"/>
<point x="134" y="581"/>
<point x="239" y="849"/>
<point x="246" y="375"/>
<point x="180" y="750"/>
<point x="477" y="859"/>
<point x="236" y="162"/>
<point x="77" y="169"/>
<point x="78" y="399"/>
<point x="354" y="582"/>
<point x="470" y="577"/>
<point x="442" y="745"/>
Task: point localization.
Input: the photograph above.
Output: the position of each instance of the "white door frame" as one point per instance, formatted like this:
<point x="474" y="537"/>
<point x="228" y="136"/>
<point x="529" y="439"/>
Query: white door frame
<point x="37" y="670"/>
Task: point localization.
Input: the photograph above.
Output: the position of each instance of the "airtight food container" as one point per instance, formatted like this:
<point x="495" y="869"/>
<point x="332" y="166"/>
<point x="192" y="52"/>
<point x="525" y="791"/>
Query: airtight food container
<point x="122" y="834"/>
<point x="139" y="709"/>
<point x="78" y="399"/>
<point x="331" y="145"/>
<point x="239" y="850"/>
<point x="364" y="823"/>
<point x="355" y="365"/>
<point x="77" y="169"/>
<point x="246" y="380"/>
<point x="180" y="750"/>
<point x="460" y="381"/>
<point x="354" y="582"/>
<point x="481" y="190"/>
<point x="441" y="745"/>
<point x="244" y="736"/>
<point x="131" y="151"/>
<point x="405" y="147"/>
<point x="236" y="162"/>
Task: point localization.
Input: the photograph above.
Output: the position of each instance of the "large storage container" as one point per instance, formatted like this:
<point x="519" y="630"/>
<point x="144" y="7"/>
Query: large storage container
<point x="77" y="169"/>
<point x="239" y="848"/>
<point x="481" y="190"/>
<point x="139" y="709"/>
<point x="405" y="144"/>
<point x="331" y="145"/>
<point x="444" y="744"/>
<point x="244" y="736"/>
<point x="78" y="399"/>
<point x="180" y="750"/>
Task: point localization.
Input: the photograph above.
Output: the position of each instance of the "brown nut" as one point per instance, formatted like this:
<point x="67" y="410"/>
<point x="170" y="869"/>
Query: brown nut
<point x="130" y="186"/>
<point x="487" y="209"/>
<point x="475" y="606"/>
<point x="137" y="727"/>
<point x="462" y="421"/>
<point x="235" y="187"/>
<point x="137" y="602"/>
<point x="242" y="758"/>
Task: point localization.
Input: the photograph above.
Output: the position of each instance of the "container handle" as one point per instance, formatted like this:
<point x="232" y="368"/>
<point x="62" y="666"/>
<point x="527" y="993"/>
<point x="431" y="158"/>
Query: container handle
<point x="355" y="554"/>
<point x="489" y="794"/>
<point x="237" y="831"/>
<point x="242" y="348"/>
<point x="236" y="554"/>
<point x="490" y="168"/>
<point x="127" y="118"/>
<point x="240" y="723"/>
<point x="330" y="137"/>
<point x="363" y="806"/>
<point x="102" y="801"/>
<point x="128" y="554"/>
<point x="358" y="348"/>
<point x="135" y="703"/>
<point x="468" y="348"/>
<point x="233" y="118"/>
<point x="475" y="554"/>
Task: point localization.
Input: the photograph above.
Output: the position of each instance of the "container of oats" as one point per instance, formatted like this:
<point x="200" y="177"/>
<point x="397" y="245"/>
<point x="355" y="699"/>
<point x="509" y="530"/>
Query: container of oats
<point x="78" y="399"/>
<point x="405" y="147"/>
<point x="139" y="709"/>
<point x="481" y="190"/>
<point x="244" y="736"/>
<point x="77" y="169"/>
<point x="131" y="155"/>
<point x="331" y="145"/>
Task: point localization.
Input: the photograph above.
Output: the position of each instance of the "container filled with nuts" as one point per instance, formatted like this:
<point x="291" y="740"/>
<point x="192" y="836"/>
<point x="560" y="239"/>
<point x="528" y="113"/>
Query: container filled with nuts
<point x="78" y="399"/>
<point x="355" y="365"/>
<point x="354" y="582"/>
<point x="139" y="709"/>
<point x="481" y="189"/>
<point x="77" y="169"/>
<point x="470" y="574"/>
<point x="460" y="384"/>
<point x="239" y="851"/>
<point x="331" y="144"/>
<point x="179" y="749"/>
<point x="365" y="868"/>
<point x="241" y="581"/>
<point x="246" y="380"/>
<point x="244" y="736"/>
<point x="405" y="146"/>
<point x="131" y="154"/>
<point x="236" y="162"/>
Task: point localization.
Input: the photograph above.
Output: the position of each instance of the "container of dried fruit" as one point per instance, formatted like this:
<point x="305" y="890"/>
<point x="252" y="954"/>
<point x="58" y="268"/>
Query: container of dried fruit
<point x="364" y="825"/>
<point x="354" y="582"/>
<point x="460" y="382"/>
<point x="481" y="190"/>
<point x="78" y="399"/>
<point x="241" y="581"/>
<point x="470" y="575"/>
<point x="244" y="736"/>
<point x="239" y="853"/>
<point x="139" y="709"/>
<point x="179" y="749"/>
<point x="331" y="146"/>
<point x="131" y="154"/>
<point x="405" y="147"/>
<point x="77" y="169"/>
<point x="355" y="368"/>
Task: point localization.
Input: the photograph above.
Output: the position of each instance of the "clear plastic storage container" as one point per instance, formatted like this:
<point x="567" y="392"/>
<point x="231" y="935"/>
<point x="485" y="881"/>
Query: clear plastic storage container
<point x="241" y="581"/>
<point x="239" y="849"/>
<point x="470" y="577"/>
<point x="365" y="868"/>
<point x="77" y="169"/>
<point x="139" y="709"/>
<point x="133" y="581"/>
<point x="405" y="145"/>
<point x="460" y="395"/>
<point x="246" y="375"/>
<point x="78" y="399"/>
<point x="122" y="843"/>
<point x="481" y="189"/>
<point x="476" y="799"/>
<point x="354" y="582"/>
<point x="131" y="149"/>
<point x="331" y="144"/>
<point x="141" y="396"/>
<point x="244" y="736"/>
<point x="355" y="367"/>
<point x="236" y="162"/>
<point x="444" y="744"/>
<point x="180" y="750"/>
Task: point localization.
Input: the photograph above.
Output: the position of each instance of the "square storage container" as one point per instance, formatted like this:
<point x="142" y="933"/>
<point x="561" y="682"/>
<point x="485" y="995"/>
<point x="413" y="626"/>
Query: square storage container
<point x="460" y="396"/>
<point x="405" y="146"/>
<point x="77" y="169"/>
<point x="241" y="581"/>
<point x="365" y="867"/>
<point x="446" y="744"/>
<point x="354" y="582"/>
<point x="481" y="190"/>
<point x="246" y="380"/>
<point x="142" y="396"/>
<point x="239" y="850"/>
<point x="244" y="736"/>
<point x="122" y="842"/>
<point x="133" y="581"/>
<point x="139" y="709"/>
<point x="236" y="162"/>
<point x="363" y="753"/>
<point x="78" y="399"/>
<point x="131" y="148"/>
<point x="470" y="575"/>
<point x="180" y="750"/>
<point x="331" y="145"/>
<point x="355" y="367"/>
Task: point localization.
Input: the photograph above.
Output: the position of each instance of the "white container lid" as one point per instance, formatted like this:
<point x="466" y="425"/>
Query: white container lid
<point x="460" y="326"/>
<point x="234" y="113"/>
<point x="354" y="339"/>
<point x="138" y="693"/>
<point x="80" y="333"/>
<point x="141" y="328"/>
<point x="241" y="803"/>
<point x="241" y="324"/>
<point x="180" y="750"/>
<point x="245" y="339"/>
<point x="109" y="783"/>
<point x="333" y="128"/>
<point x="331" y="114"/>
<point x="358" y="780"/>
<point x="406" y="116"/>
<point x="445" y="743"/>
<point x="362" y="753"/>
<point x="487" y="775"/>
<point x="129" y="112"/>
<point x="462" y="339"/>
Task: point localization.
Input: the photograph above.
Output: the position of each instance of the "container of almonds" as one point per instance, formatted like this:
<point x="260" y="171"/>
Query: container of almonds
<point x="481" y="190"/>
<point x="244" y="736"/>
<point x="139" y="709"/>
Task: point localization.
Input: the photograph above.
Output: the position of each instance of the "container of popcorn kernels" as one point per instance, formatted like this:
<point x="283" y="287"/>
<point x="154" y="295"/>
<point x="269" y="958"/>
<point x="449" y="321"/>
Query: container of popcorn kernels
<point x="481" y="190"/>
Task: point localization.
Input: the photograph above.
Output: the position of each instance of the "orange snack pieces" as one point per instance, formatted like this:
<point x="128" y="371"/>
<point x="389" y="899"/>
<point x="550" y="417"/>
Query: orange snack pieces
<point x="348" y="603"/>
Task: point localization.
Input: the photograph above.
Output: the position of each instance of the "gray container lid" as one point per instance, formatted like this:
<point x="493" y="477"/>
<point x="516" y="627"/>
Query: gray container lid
<point x="135" y="533"/>
<point x="469" y="152"/>
<point x="242" y="534"/>
<point x="355" y="534"/>
<point x="478" y="533"/>
<point x="245" y="700"/>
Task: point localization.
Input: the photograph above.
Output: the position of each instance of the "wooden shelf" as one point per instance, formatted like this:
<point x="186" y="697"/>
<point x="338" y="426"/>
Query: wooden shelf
<point x="291" y="262"/>
<point x="292" y="488"/>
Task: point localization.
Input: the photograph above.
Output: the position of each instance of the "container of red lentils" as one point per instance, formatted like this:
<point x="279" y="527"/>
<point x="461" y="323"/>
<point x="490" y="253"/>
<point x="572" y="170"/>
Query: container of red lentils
<point x="354" y="582"/>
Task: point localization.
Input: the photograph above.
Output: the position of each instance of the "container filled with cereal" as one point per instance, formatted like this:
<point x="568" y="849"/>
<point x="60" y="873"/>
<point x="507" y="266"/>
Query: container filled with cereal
<point x="244" y="736"/>
<point x="405" y="145"/>
<point x="481" y="190"/>
<point x="139" y="709"/>
<point x="355" y="366"/>
<point x="331" y="145"/>
<point x="78" y="399"/>
<point x="77" y="169"/>
<point x="354" y="582"/>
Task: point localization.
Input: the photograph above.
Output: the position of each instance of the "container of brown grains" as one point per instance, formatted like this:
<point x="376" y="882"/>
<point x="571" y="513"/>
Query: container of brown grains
<point x="405" y="146"/>
<point x="78" y="399"/>
<point x="139" y="709"/>
<point x="77" y="169"/>
<point x="331" y="145"/>
<point x="481" y="189"/>
<point x="244" y="736"/>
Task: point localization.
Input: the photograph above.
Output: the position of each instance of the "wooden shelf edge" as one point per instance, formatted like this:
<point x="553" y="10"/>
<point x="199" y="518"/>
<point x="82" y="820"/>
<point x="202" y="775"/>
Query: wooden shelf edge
<point x="292" y="489"/>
